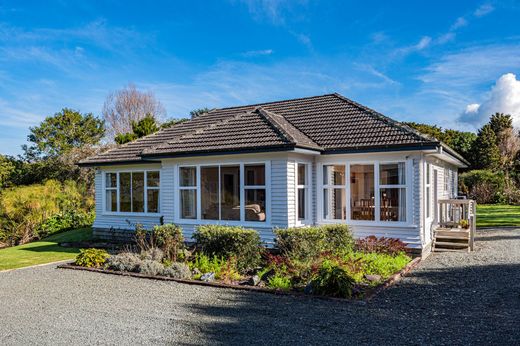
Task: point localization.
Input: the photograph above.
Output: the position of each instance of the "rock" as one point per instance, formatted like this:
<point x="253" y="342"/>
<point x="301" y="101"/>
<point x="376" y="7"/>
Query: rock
<point x="373" y="278"/>
<point x="309" y="289"/>
<point x="267" y="275"/>
<point x="208" y="277"/>
<point x="254" y="280"/>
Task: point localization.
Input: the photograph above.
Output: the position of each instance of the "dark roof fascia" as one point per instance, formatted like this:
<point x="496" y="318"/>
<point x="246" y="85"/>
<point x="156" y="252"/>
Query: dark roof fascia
<point x="385" y="148"/>
<point x="222" y="152"/>
<point x="115" y="163"/>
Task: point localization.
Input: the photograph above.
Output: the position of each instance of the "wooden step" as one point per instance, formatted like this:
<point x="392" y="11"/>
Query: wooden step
<point x="449" y="250"/>
<point x="451" y="232"/>
<point x="453" y="237"/>
<point x="450" y="244"/>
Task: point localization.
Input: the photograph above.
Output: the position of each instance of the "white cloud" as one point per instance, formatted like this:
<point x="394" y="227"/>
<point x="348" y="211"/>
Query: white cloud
<point x="483" y="10"/>
<point x="253" y="53"/>
<point x="504" y="97"/>
<point x="276" y="11"/>
<point x="459" y="23"/>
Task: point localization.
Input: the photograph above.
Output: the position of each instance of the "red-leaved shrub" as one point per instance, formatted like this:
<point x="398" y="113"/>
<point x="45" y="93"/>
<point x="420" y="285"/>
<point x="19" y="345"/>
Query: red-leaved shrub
<point x="390" y="246"/>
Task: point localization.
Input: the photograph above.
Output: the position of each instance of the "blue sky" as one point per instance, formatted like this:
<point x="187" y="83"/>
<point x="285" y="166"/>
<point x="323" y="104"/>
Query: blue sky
<point x="442" y="62"/>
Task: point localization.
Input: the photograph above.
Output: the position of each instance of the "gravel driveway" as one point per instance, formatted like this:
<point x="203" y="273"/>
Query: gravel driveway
<point x="451" y="298"/>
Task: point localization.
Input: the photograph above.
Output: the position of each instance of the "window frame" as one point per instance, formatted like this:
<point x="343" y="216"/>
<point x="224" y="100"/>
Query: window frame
<point x="191" y="188"/>
<point x="242" y="222"/>
<point x="307" y="191"/>
<point x="408" y="186"/>
<point x="118" y="191"/>
<point x="428" y="191"/>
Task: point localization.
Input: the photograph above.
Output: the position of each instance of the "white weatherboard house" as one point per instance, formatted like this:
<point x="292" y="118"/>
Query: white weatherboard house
<point x="309" y="161"/>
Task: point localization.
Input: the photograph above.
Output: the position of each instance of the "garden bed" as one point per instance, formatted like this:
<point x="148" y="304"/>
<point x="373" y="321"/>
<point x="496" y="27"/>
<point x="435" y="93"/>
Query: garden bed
<point x="318" y="261"/>
<point x="369" y="294"/>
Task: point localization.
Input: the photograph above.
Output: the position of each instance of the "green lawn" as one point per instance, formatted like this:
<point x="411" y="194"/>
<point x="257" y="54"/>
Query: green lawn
<point x="489" y="215"/>
<point x="44" y="251"/>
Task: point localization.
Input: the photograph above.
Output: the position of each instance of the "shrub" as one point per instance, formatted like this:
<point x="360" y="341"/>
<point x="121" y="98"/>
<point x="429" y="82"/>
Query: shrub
<point x="279" y="282"/>
<point x="484" y="186"/>
<point x="309" y="242"/>
<point x="169" y="238"/>
<point x="206" y="264"/>
<point x="150" y="267"/>
<point x="153" y="254"/>
<point x="332" y="280"/>
<point x="390" y="246"/>
<point x="91" y="258"/>
<point x="178" y="271"/>
<point x="124" y="261"/>
<point x="379" y="263"/>
<point x="226" y="242"/>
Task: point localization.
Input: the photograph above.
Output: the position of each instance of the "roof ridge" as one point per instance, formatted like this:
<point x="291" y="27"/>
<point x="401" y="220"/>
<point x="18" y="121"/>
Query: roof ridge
<point x="384" y="118"/>
<point x="273" y="102"/>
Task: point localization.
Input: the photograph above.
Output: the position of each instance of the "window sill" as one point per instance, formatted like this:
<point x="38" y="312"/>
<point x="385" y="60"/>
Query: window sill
<point x="131" y="214"/>
<point x="223" y="223"/>
<point x="389" y="224"/>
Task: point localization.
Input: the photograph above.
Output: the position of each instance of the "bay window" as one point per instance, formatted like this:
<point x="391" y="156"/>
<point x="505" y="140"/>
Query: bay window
<point x="221" y="192"/>
<point x="132" y="192"/>
<point x="376" y="192"/>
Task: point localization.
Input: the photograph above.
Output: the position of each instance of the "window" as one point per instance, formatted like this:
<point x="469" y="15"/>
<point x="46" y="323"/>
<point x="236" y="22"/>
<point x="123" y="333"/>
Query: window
<point x="376" y="192"/>
<point x="392" y="189"/>
<point x="132" y="192"/>
<point x="188" y="192"/>
<point x="302" y="190"/>
<point x="446" y="179"/>
<point x="221" y="192"/>
<point x="428" y="191"/>
<point x="334" y="193"/>
<point x="362" y="198"/>
<point x="254" y="189"/>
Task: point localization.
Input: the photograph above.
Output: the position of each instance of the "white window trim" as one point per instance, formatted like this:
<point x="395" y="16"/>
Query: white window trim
<point x="192" y="188"/>
<point x="308" y="193"/>
<point x="377" y="222"/>
<point x="428" y="213"/>
<point x="146" y="188"/>
<point x="242" y="221"/>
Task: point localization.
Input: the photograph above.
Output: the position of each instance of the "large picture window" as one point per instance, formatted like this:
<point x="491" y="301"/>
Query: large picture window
<point x="375" y="192"/>
<point x="221" y="192"/>
<point x="132" y="192"/>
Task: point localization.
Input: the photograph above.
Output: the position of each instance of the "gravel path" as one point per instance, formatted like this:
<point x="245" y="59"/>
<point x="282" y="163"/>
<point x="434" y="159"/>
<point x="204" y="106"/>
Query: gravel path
<point x="451" y="298"/>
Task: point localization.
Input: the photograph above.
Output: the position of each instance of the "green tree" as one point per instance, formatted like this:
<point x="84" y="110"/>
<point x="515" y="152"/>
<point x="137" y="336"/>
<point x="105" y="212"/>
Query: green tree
<point x="62" y="132"/>
<point x="196" y="112"/>
<point x="172" y="122"/>
<point x="430" y="130"/>
<point x="486" y="154"/>
<point x="500" y="122"/>
<point x="7" y="168"/>
<point x="145" y="126"/>
<point x="460" y="141"/>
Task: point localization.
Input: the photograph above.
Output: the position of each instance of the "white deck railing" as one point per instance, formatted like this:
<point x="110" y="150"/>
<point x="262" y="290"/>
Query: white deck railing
<point x="458" y="213"/>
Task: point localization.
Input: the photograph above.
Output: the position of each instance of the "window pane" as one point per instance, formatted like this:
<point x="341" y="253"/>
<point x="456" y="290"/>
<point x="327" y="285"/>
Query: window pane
<point x="188" y="204"/>
<point x="209" y="193"/>
<point x="428" y="201"/>
<point x="124" y="194"/>
<point x="302" y="174"/>
<point x="393" y="204"/>
<point x="254" y="175"/>
<point x="362" y="202"/>
<point x="255" y="205"/>
<point x="333" y="175"/>
<point x="230" y="193"/>
<point x="152" y="179"/>
<point x="111" y="200"/>
<point x="188" y="176"/>
<point x="427" y="173"/>
<point x="153" y="201"/>
<point x="111" y="179"/>
<point x="334" y="203"/>
<point x="137" y="192"/>
<point x="301" y="204"/>
<point x="392" y="174"/>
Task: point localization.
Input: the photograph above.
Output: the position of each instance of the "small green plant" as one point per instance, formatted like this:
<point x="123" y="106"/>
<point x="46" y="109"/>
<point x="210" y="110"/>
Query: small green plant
<point x="279" y="282"/>
<point x="464" y="224"/>
<point x="227" y="242"/>
<point x="379" y="263"/>
<point x="333" y="280"/>
<point x="91" y="258"/>
<point x="206" y="264"/>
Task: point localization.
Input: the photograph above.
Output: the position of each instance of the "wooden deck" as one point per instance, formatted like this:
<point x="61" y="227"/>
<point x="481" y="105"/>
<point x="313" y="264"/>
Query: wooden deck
<point x="456" y="225"/>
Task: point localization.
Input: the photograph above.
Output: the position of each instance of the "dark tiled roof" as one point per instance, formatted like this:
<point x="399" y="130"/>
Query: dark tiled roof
<point x="328" y="123"/>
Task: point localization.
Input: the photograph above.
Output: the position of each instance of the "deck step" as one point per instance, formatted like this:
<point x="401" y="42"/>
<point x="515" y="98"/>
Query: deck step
<point x="454" y="237"/>
<point x="449" y="250"/>
<point x="450" y="244"/>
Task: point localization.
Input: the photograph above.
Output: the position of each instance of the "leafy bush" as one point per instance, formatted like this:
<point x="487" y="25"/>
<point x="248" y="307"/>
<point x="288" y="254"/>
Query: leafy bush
<point x="332" y="280"/>
<point x="153" y="254"/>
<point x="390" y="246"/>
<point x="169" y="239"/>
<point x="309" y="242"/>
<point x="91" y="258"/>
<point x="227" y="242"/>
<point x="124" y="261"/>
<point x="178" y="271"/>
<point x="150" y="267"/>
<point x="484" y="186"/>
<point x="225" y="270"/>
<point x="67" y="220"/>
<point x="379" y="263"/>
<point x="279" y="282"/>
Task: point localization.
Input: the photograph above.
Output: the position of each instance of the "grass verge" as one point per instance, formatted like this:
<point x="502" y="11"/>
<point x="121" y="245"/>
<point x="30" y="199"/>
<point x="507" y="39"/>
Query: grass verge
<point x="43" y="251"/>
<point x="489" y="215"/>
